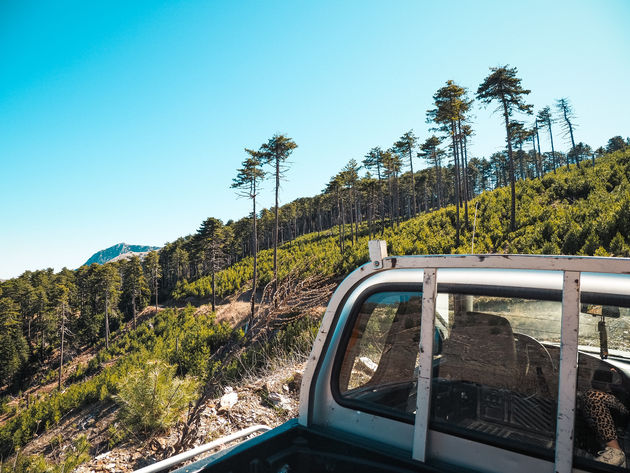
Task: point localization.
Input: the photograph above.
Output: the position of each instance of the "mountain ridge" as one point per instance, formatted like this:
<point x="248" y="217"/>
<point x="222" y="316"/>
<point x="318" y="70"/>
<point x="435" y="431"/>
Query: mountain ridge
<point x="117" y="252"/>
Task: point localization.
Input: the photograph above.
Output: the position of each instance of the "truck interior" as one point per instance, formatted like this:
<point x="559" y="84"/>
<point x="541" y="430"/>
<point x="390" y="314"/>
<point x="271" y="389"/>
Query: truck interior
<point x="495" y="365"/>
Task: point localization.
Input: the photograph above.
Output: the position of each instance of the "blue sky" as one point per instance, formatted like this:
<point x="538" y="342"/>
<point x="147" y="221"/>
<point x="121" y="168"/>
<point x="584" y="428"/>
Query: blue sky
<point x="126" y="121"/>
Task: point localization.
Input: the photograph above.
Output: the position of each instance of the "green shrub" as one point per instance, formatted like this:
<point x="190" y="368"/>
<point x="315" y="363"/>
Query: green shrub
<point x="152" y="398"/>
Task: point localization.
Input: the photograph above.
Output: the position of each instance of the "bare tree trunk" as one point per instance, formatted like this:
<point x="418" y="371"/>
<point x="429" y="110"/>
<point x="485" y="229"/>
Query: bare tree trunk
<point x="133" y="308"/>
<point x="469" y="192"/>
<point x="566" y="118"/>
<point x="275" y="230"/>
<point x="438" y="179"/>
<point x="339" y="222"/>
<point x="63" y="332"/>
<point x="381" y="198"/>
<point x="535" y="156"/>
<point x="464" y="171"/>
<point x="213" y="282"/>
<point x="155" y="286"/>
<point x="351" y="220"/>
<point x="457" y="195"/>
<point x="107" y="319"/>
<point x="413" y="184"/>
<point x="357" y="213"/>
<point x="511" y="164"/>
<point x="553" y="151"/>
<point x="255" y="251"/>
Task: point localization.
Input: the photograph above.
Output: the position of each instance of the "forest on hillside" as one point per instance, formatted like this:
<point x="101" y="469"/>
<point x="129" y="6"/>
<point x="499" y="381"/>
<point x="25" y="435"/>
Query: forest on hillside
<point x="521" y="200"/>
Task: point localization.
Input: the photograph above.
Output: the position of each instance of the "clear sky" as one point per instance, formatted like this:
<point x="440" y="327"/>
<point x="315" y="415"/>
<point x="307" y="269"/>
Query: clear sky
<point x="126" y="120"/>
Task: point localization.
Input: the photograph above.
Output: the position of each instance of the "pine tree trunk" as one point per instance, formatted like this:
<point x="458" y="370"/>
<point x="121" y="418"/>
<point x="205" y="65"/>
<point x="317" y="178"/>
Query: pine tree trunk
<point x="63" y="332"/>
<point x="255" y="252"/>
<point x="351" y="220"/>
<point x="381" y="198"/>
<point x="464" y="172"/>
<point x="133" y="308"/>
<point x="469" y="192"/>
<point x="275" y="229"/>
<point x="413" y="184"/>
<point x="438" y="179"/>
<point x="213" y="268"/>
<point x="339" y="223"/>
<point x="107" y="320"/>
<point x="553" y="151"/>
<point x="535" y="155"/>
<point x="213" y="293"/>
<point x="155" y="287"/>
<point x="577" y="159"/>
<point x="457" y="196"/>
<point x="511" y="167"/>
<point x="357" y="213"/>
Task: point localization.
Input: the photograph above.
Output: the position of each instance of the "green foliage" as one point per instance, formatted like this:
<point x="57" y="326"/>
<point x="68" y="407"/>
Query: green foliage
<point x="115" y="435"/>
<point x="152" y="398"/>
<point x="71" y="459"/>
<point x="171" y="335"/>
<point x="569" y="212"/>
<point x="13" y="348"/>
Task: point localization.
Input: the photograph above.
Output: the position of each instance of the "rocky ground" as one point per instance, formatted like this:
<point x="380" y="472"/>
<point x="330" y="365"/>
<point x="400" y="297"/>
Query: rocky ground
<point x="269" y="400"/>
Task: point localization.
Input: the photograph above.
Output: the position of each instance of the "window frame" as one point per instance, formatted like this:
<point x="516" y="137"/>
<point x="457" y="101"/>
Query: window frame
<point x="343" y="344"/>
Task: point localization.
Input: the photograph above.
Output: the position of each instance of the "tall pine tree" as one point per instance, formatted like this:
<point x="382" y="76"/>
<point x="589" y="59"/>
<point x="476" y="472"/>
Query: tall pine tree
<point x="502" y="86"/>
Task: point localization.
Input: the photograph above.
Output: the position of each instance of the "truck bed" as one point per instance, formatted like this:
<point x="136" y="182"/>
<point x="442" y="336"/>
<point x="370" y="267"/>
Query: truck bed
<point x="294" y="448"/>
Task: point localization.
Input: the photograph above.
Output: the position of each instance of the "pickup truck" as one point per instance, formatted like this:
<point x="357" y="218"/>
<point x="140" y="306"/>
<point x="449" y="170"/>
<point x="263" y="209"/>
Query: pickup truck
<point x="451" y="363"/>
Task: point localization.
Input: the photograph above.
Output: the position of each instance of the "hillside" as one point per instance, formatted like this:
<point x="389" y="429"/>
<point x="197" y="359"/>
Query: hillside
<point x="583" y="210"/>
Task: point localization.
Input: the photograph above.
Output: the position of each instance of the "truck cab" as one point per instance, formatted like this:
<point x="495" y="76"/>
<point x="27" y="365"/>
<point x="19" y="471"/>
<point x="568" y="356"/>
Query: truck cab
<point x="490" y="363"/>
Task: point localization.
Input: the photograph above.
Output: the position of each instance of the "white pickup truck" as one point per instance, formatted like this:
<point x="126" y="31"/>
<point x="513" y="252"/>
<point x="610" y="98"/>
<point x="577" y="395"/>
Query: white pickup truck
<point x="493" y="363"/>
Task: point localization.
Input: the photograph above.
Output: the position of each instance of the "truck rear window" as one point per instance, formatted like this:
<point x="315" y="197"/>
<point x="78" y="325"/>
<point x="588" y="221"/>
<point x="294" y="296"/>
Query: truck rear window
<point x="379" y="367"/>
<point x="495" y="367"/>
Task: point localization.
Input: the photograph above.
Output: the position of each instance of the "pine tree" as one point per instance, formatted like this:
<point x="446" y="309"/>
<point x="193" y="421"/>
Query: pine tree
<point x="546" y="119"/>
<point x="13" y="348"/>
<point x="566" y="110"/>
<point x="503" y="86"/>
<point x="63" y="307"/>
<point x="349" y="177"/>
<point x="276" y="152"/>
<point x="135" y="288"/>
<point x="246" y="183"/>
<point x="374" y="161"/>
<point x="212" y="237"/>
<point x="432" y="154"/>
<point x="392" y="164"/>
<point x="110" y="283"/>
<point x="334" y="187"/>
<point x="451" y="105"/>
<point x="406" y="145"/>
<point x="154" y="272"/>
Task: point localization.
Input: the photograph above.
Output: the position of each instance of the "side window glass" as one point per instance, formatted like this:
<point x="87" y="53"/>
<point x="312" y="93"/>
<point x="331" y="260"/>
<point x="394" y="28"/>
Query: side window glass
<point x="379" y="366"/>
<point x="602" y="432"/>
<point x="496" y="376"/>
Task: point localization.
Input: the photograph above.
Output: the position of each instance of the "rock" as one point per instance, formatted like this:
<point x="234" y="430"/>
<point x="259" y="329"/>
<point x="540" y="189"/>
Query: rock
<point x="365" y="365"/>
<point x="228" y="400"/>
<point x="278" y="400"/>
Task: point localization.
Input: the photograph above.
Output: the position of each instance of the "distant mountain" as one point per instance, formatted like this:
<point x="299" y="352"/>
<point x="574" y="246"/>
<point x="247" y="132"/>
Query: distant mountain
<point x="118" y="252"/>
